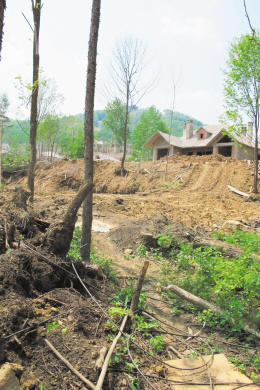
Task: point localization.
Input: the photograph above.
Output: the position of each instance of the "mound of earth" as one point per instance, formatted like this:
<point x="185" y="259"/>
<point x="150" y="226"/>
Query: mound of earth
<point x="194" y="191"/>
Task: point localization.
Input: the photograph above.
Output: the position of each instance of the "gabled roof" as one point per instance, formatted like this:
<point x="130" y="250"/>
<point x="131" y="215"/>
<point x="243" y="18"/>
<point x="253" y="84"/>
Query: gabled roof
<point x="181" y="142"/>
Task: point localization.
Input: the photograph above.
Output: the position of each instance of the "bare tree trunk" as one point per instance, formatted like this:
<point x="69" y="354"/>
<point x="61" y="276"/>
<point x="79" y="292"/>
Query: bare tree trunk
<point x="59" y="235"/>
<point x="36" y="8"/>
<point x="1" y="146"/>
<point x="256" y="150"/>
<point x="88" y="130"/>
<point x="2" y="14"/>
<point x="125" y="131"/>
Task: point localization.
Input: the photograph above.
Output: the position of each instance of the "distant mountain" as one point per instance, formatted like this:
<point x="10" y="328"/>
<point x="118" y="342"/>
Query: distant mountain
<point x="18" y="131"/>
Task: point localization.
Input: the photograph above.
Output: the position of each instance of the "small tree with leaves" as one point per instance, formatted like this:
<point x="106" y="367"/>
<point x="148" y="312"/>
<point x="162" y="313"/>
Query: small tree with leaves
<point x="115" y="120"/>
<point x="150" y="122"/>
<point x="242" y="89"/>
<point x="4" y="104"/>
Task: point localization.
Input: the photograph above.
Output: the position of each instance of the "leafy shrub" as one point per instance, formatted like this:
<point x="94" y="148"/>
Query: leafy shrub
<point x="249" y="242"/>
<point x="232" y="284"/>
<point x="124" y="297"/>
<point x="15" y="158"/>
<point x="74" y="253"/>
<point x="157" y="343"/>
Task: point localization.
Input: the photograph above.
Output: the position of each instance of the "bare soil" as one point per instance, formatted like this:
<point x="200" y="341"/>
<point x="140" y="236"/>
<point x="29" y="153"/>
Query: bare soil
<point x="192" y="198"/>
<point x="194" y="191"/>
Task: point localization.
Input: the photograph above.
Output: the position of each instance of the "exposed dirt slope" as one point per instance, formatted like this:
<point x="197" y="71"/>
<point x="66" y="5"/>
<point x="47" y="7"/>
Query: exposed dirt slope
<point x="193" y="192"/>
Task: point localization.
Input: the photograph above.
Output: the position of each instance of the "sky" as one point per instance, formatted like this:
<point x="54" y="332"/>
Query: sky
<point x="186" y="43"/>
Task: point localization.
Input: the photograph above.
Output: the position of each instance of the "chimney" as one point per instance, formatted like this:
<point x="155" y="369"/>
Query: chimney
<point x="250" y="130"/>
<point x="188" y="129"/>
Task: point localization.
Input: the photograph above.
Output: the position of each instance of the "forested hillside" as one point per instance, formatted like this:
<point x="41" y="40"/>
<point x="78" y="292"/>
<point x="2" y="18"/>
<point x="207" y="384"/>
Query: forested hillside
<point x="65" y="134"/>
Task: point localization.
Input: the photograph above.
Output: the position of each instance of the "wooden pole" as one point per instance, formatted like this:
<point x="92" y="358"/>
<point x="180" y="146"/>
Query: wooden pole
<point x="135" y="299"/>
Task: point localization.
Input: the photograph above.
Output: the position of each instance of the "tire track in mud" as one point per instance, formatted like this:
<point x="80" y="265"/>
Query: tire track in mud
<point x="202" y="178"/>
<point x="191" y="177"/>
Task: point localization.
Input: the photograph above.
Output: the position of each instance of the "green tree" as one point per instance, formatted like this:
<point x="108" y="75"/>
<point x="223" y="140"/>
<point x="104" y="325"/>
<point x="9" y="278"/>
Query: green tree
<point x="4" y="104"/>
<point x="242" y="89"/>
<point x="150" y="122"/>
<point x="73" y="146"/>
<point x="115" y="119"/>
<point x="48" y="131"/>
<point x="178" y="121"/>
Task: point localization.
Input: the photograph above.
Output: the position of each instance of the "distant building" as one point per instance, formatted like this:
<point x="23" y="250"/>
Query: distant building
<point x="205" y="140"/>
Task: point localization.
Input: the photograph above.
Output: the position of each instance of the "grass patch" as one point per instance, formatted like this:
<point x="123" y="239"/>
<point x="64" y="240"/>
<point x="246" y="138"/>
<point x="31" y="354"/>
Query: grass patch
<point x="74" y="254"/>
<point x="231" y="284"/>
<point x="247" y="241"/>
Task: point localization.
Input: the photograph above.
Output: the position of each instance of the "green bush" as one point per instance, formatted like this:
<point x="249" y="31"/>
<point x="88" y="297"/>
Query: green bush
<point x="231" y="284"/>
<point x="15" y="158"/>
<point x="74" y="253"/>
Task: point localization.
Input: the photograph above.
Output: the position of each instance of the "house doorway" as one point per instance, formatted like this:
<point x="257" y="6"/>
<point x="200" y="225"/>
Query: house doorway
<point x="225" y="151"/>
<point x="161" y="153"/>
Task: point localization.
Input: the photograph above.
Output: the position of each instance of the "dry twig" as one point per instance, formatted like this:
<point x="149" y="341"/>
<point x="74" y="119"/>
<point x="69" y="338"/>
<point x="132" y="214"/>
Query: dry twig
<point x="67" y="363"/>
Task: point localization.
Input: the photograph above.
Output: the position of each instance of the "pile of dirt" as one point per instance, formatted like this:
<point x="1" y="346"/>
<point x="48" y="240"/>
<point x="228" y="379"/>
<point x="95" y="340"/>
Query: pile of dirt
<point x="146" y="231"/>
<point x="194" y="191"/>
<point x="40" y="295"/>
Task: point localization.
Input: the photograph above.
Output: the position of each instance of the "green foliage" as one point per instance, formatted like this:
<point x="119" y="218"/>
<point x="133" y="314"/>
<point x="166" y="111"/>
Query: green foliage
<point x="15" y="158"/>
<point x="165" y="240"/>
<point x="157" y="343"/>
<point x="105" y="135"/>
<point x="63" y="333"/>
<point x="150" y="122"/>
<point x="242" y="78"/>
<point x="141" y="250"/>
<point x="244" y="363"/>
<point x="73" y="146"/>
<point x="17" y="133"/>
<point x="48" y="130"/>
<point x="232" y="284"/>
<point x="124" y="297"/>
<point x="178" y="121"/>
<point x="134" y="383"/>
<point x="48" y="96"/>
<point x="4" y="104"/>
<point x="115" y="119"/>
<point x="52" y="326"/>
<point x="74" y="253"/>
<point x="249" y="242"/>
<point x="71" y="137"/>
<point x="144" y="323"/>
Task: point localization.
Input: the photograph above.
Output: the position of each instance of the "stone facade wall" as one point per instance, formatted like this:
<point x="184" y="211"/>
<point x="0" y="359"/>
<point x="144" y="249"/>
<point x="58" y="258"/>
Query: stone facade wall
<point x="243" y="153"/>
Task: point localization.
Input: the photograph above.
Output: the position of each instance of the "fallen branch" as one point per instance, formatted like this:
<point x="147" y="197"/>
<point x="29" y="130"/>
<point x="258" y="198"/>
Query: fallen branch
<point x="177" y="353"/>
<point x="67" y="363"/>
<point x="233" y="189"/>
<point x="205" y="305"/>
<point x="100" y="360"/>
<point x="107" y="359"/>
